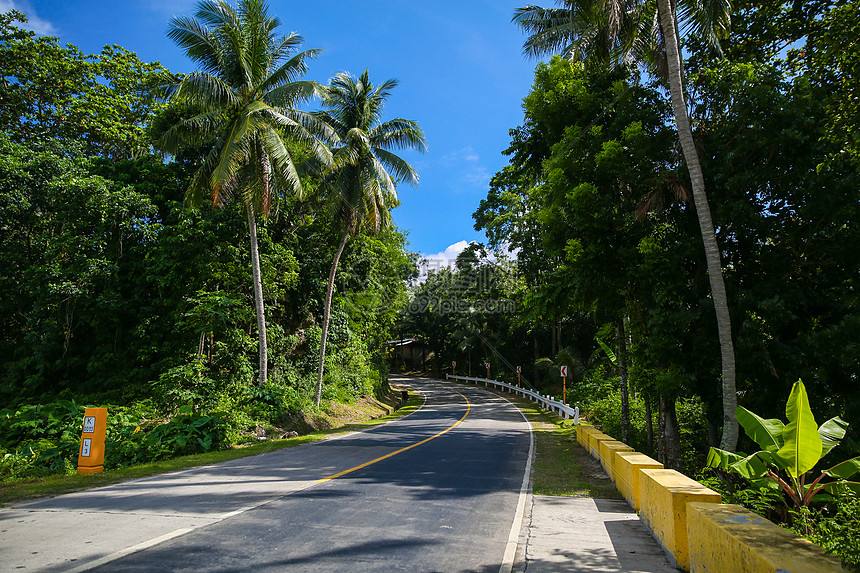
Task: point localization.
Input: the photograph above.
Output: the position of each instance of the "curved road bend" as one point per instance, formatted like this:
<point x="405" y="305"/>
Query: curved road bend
<point x="434" y="491"/>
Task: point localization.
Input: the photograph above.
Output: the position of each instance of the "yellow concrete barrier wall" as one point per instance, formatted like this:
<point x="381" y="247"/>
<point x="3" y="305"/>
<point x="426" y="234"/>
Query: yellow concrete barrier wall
<point x="582" y="433"/>
<point x="725" y="538"/>
<point x="608" y="448"/>
<point x="594" y="440"/>
<point x="626" y="468"/>
<point x="664" y="495"/>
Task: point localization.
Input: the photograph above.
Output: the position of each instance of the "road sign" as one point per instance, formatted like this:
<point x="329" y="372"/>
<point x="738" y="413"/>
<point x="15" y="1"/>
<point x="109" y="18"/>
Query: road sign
<point x="564" y="371"/>
<point x="453" y="363"/>
<point x="519" y="369"/>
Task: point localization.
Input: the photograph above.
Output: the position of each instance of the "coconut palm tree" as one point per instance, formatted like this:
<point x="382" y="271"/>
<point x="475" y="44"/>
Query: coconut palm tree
<point x="647" y="32"/>
<point x="362" y="181"/>
<point x="247" y="90"/>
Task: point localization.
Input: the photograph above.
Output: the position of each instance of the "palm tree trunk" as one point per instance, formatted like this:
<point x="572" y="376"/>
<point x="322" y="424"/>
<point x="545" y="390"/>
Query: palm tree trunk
<point x="258" y="296"/>
<point x="712" y="251"/>
<point x="327" y="314"/>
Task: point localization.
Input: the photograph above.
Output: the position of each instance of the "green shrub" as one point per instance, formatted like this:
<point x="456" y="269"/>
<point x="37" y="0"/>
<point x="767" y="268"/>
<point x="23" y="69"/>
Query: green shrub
<point x="272" y="402"/>
<point x="693" y="427"/>
<point x="606" y="413"/>
<point x="187" y="383"/>
<point x="57" y="421"/>
<point x="187" y="433"/>
<point x="835" y="527"/>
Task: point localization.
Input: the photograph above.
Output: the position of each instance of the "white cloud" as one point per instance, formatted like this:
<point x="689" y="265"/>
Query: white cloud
<point x="468" y="163"/>
<point x="447" y="257"/>
<point x="34" y="23"/>
<point x="441" y="260"/>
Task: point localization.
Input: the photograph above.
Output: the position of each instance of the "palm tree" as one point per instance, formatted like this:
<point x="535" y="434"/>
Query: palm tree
<point x="247" y="90"/>
<point x="362" y="189"/>
<point x="646" y="31"/>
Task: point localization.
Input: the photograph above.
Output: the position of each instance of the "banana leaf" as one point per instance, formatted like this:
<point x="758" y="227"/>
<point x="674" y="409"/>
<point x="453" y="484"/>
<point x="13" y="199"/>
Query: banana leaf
<point x="832" y="431"/>
<point x="801" y="442"/>
<point x="608" y="351"/>
<point x="842" y="487"/>
<point x="722" y="459"/>
<point x="766" y="433"/>
<point x="845" y="469"/>
<point x="752" y="467"/>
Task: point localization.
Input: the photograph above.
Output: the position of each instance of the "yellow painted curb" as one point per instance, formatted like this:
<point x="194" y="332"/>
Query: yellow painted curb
<point x="626" y="468"/>
<point x="608" y="448"/>
<point x="594" y="440"/>
<point x="732" y="538"/>
<point x="582" y="433"/>
<point x="664" y="497"/>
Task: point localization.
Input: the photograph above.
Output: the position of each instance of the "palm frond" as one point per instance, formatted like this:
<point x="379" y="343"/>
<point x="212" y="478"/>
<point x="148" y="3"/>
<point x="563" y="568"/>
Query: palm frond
<point x="290" y="94"/>
<point x="196" y="130"/>
<point x="550" y="30"/>
<point x="282" y="161"/>
<point x="399" y="167"/>
<point x="206" y="91"/>
<point x="289" y="72"/>
<point x="197" y="41"/>
<point x="399" y="134"/>
<point x="708" y="19"/>
<point x="298" y="132"/>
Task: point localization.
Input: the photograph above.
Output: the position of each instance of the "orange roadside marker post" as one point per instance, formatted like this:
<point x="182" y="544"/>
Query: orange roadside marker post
<point x="91" y="456"/>
<point x="454" y="366"/>
<point x="564" y="385"/>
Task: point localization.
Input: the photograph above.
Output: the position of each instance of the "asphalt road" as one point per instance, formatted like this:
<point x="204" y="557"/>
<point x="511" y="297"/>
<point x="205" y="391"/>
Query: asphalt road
<point x="438" y="490"/>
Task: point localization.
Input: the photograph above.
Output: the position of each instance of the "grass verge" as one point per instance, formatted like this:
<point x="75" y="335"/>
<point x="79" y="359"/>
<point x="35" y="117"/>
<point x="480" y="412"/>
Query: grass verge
<point x="56" y="485"/>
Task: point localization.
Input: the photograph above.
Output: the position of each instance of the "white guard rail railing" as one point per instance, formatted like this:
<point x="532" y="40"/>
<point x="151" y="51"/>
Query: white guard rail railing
<point x="547" y="402"/>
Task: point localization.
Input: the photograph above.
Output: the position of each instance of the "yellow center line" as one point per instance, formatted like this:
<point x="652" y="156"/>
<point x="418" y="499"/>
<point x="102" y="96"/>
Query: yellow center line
<point x="401" y="450"/>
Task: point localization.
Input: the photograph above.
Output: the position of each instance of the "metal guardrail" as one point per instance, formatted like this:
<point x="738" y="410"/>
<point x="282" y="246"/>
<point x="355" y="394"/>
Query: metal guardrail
<point x="547" y="402"/>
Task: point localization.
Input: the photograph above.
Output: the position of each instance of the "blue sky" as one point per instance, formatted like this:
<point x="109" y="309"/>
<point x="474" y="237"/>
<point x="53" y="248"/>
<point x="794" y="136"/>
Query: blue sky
<point x="461" y="70"/>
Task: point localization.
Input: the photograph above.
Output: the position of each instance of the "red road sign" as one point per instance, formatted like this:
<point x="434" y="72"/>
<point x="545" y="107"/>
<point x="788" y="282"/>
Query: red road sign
<point x="564" y="371"/>
<point x="519" y="369"/>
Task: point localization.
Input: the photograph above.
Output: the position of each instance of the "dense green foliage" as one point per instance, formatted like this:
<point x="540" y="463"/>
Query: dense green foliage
<point x="596" y="204"/>
<point x="117" y="295"/>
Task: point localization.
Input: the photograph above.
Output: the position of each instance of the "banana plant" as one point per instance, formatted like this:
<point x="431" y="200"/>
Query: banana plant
<point x="790" y="451"/>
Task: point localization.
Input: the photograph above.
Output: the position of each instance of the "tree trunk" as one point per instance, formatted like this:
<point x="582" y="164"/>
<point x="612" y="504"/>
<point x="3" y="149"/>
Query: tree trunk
<point x="258" y="297"/>
<point x="670" y="437"/>
<point x="621" y="341"/>
<point x="712" y="251"/>
<point x="327" y="314"/>
<point x="649" y="424"/>
<point x="470" y="361"/>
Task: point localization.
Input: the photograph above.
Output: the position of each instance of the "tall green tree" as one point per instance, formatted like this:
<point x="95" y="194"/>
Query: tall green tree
<point x="647" y="31"/>
<point x="362" y="182"/>
<point x="248" y="89"/>
<point x="101" y="102"/>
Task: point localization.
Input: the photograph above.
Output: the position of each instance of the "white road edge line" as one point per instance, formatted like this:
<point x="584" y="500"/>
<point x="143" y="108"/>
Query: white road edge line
<point x="525" y="490"/>
<point x="129" y="550"/>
